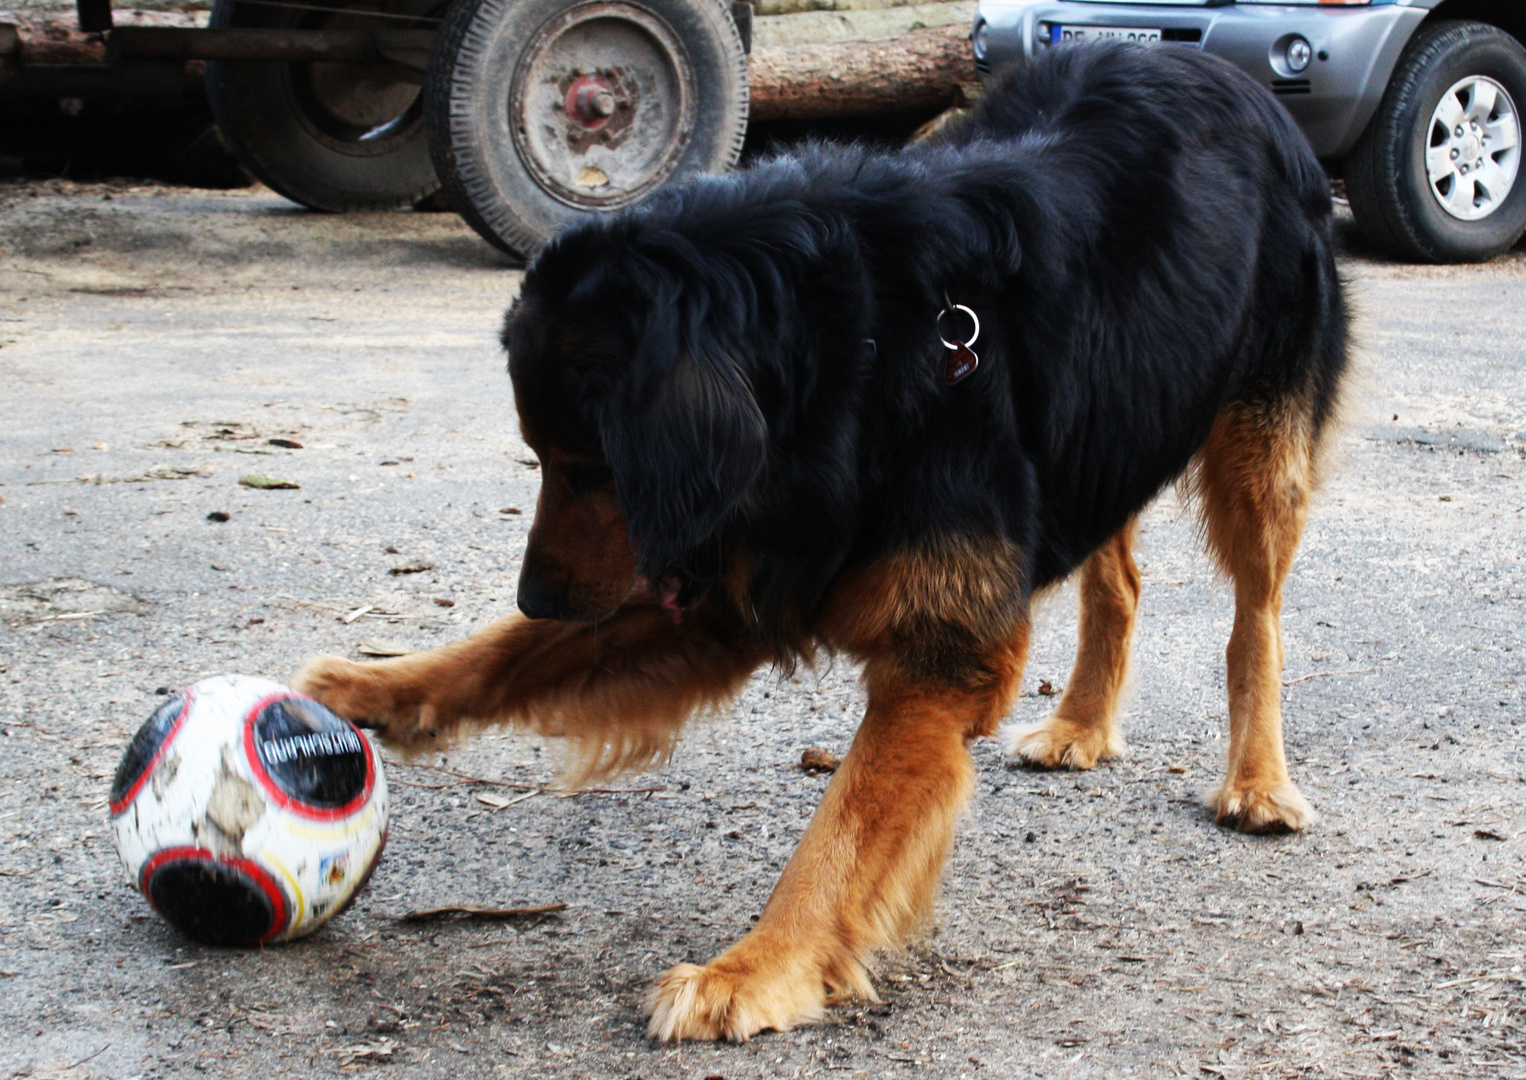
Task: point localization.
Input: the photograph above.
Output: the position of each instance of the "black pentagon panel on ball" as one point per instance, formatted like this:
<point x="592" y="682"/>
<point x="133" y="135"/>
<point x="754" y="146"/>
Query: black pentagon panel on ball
<point x="215" y="903"/>
<point x="309" y="755"/>
<point x="145" y="749"/>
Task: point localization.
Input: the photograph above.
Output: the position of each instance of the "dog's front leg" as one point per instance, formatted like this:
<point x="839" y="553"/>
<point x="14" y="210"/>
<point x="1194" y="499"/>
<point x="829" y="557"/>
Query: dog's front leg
<point x="620" y="687"/>
<point x="863" y="877"/>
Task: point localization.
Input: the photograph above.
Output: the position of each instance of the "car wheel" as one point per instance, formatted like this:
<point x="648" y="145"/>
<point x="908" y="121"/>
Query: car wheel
<point x="541" y="111"/>
<point x="330" y="136"/>
<point x="1437" y="176"/>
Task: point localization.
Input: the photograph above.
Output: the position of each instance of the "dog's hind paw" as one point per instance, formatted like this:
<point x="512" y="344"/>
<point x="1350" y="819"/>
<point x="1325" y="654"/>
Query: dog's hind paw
<point x="726" y="1000"/>
<point x="1275" y="808"/>
<point x="1057" y="743"/>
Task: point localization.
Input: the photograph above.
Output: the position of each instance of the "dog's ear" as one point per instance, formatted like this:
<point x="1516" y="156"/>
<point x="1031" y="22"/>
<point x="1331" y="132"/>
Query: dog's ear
<point x="686" y="440"/>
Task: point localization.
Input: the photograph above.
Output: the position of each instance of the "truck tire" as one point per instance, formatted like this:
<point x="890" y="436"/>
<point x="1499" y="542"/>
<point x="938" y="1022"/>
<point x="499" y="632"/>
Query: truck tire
<point x="542" y="111"/>
<point x="329" y="136"/>
<point x="1437" y="175"/>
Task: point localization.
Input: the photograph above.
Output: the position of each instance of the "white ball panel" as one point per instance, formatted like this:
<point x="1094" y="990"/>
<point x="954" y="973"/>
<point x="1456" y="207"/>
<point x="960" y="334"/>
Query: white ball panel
<point x="203" y="793"/>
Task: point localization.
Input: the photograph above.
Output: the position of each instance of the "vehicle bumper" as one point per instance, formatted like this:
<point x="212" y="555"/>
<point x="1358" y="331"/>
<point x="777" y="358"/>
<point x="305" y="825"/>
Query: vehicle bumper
<point x="1332" y="99"/>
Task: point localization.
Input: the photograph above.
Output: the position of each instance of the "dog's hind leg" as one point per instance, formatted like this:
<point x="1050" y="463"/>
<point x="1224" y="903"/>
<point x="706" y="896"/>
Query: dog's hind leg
<point x="1254" y="476"/>
<point x="619" y="690"/>
<point x="1084" y="728"/>
<point x="865" y="873"/>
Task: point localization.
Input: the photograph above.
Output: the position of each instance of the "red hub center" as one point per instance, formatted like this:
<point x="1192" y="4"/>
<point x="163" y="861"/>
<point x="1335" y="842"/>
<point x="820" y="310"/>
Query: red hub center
<point x="591" y="101"/>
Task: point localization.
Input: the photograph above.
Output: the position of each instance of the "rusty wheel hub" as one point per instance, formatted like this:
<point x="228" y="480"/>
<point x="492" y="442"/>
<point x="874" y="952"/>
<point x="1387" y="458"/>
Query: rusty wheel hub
<point x="602" y="104"/>
<point x="591" y="101"/>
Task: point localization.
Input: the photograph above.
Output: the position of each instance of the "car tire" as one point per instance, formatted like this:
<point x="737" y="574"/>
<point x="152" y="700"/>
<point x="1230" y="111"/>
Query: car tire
<point x="1408" y="191"/>
<point x="541" y="112"/>
<point x="338" y="137"/>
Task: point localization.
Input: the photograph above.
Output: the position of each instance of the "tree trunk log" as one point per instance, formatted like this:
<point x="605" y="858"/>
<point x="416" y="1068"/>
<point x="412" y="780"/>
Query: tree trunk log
<point x="904" y="71"/>
<point x="923" y="69"/>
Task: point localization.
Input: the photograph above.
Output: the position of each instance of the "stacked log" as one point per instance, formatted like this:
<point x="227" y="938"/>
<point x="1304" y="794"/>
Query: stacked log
<point x="819" y="59"/>
<point x="53" y="36"/>
<point x="811" y="59"/>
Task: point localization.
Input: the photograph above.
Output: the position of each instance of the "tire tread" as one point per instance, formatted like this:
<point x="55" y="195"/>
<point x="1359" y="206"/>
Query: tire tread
<point x="240" y="120"/>
<point x="458" y="50"/>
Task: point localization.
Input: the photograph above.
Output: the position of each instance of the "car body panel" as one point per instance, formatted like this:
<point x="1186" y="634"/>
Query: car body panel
<point x="1356" y="48"/>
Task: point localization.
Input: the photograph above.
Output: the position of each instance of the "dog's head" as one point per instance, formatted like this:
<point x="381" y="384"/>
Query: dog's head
<point x="629" y="388"/>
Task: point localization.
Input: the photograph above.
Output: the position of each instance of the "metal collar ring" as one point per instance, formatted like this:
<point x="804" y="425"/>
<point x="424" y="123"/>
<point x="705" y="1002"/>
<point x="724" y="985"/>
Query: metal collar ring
<point x="974" y="335"/>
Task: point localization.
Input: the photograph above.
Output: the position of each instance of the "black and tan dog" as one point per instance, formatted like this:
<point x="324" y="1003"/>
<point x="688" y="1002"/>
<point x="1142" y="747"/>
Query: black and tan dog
<point x="757" y="446"/>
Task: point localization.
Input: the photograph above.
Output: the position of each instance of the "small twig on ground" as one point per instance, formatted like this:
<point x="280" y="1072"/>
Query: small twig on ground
<point x="610" y="791"/>
<point x="30" y="727"/>
<point x="1501" y="977"/>
<point x="481" y="913"/>
<point x="463" y="778"/>
<point x="468" y="778"/>
<point x="1516" y="887"/>
<point x="381" y="1051"/>
<point x="1324" y="674"/>
<point x="91" y="1057"/>
<point x="499" y="804"/>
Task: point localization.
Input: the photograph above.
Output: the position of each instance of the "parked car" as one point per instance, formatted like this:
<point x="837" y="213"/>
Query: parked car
<point x="1416" y="103"/>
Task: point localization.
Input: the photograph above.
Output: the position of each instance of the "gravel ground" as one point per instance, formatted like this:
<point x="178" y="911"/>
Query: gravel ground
<point x="1092" y="925"/>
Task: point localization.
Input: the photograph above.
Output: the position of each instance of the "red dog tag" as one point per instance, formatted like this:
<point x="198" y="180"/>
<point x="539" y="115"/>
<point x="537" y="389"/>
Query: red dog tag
<point x="959" y="364"/>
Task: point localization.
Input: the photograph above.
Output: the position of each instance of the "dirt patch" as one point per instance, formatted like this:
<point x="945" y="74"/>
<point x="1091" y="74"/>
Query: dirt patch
<point x="63" y="599"/>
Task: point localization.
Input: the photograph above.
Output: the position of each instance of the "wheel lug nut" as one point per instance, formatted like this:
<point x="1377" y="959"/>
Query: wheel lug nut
<point x="1454" y="153"/>
<point x="1459" y="131"/>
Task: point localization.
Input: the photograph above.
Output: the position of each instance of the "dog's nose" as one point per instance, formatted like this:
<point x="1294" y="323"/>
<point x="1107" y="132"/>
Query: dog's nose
<point x="538" y="600"/>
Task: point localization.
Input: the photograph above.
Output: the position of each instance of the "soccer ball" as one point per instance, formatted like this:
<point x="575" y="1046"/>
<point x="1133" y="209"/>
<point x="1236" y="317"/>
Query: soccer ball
<point x="246" y="813"/>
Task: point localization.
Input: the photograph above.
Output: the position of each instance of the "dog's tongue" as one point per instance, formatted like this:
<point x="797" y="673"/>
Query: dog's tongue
<point x="667" y="595"/>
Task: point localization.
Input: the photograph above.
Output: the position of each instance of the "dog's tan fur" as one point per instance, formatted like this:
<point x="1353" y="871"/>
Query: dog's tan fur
<point x="1254" y="477"/>
<point x="579" y="538"/>
<point x="619" y="690"/>
<point x="942" y="633"/>
<point x="866" y="872"/>
<point x="1084" y="729"/>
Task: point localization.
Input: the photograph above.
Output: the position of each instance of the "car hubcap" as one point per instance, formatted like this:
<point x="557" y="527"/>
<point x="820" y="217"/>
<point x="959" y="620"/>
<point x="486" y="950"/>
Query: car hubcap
<point x="1473" y="152"/>
<point x="602" y="104"/>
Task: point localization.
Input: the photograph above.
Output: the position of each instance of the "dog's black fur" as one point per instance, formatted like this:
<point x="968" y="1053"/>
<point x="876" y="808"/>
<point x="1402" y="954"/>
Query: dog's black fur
<point x="1144" y="234"/>
<point x="1146" y="239"/>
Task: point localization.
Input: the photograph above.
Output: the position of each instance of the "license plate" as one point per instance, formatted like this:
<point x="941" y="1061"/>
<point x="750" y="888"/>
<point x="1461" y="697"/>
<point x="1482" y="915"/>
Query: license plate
<point x="1142" y="35"/>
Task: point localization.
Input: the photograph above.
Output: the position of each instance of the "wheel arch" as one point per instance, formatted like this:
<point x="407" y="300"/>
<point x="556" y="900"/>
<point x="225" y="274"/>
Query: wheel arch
<point x="1507" y="17"/>
<point x="1511" y="18"/>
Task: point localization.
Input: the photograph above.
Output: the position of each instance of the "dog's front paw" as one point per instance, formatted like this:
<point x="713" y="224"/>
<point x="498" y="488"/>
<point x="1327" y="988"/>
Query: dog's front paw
<point x="731" y="999"/>
<point x="1057" y="743"/>
<point x="1260" y="808"/>
<point x="366" y="694"/>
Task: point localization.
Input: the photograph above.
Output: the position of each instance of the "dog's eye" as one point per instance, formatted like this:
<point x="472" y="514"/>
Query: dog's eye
<point x="585" y="478"/>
